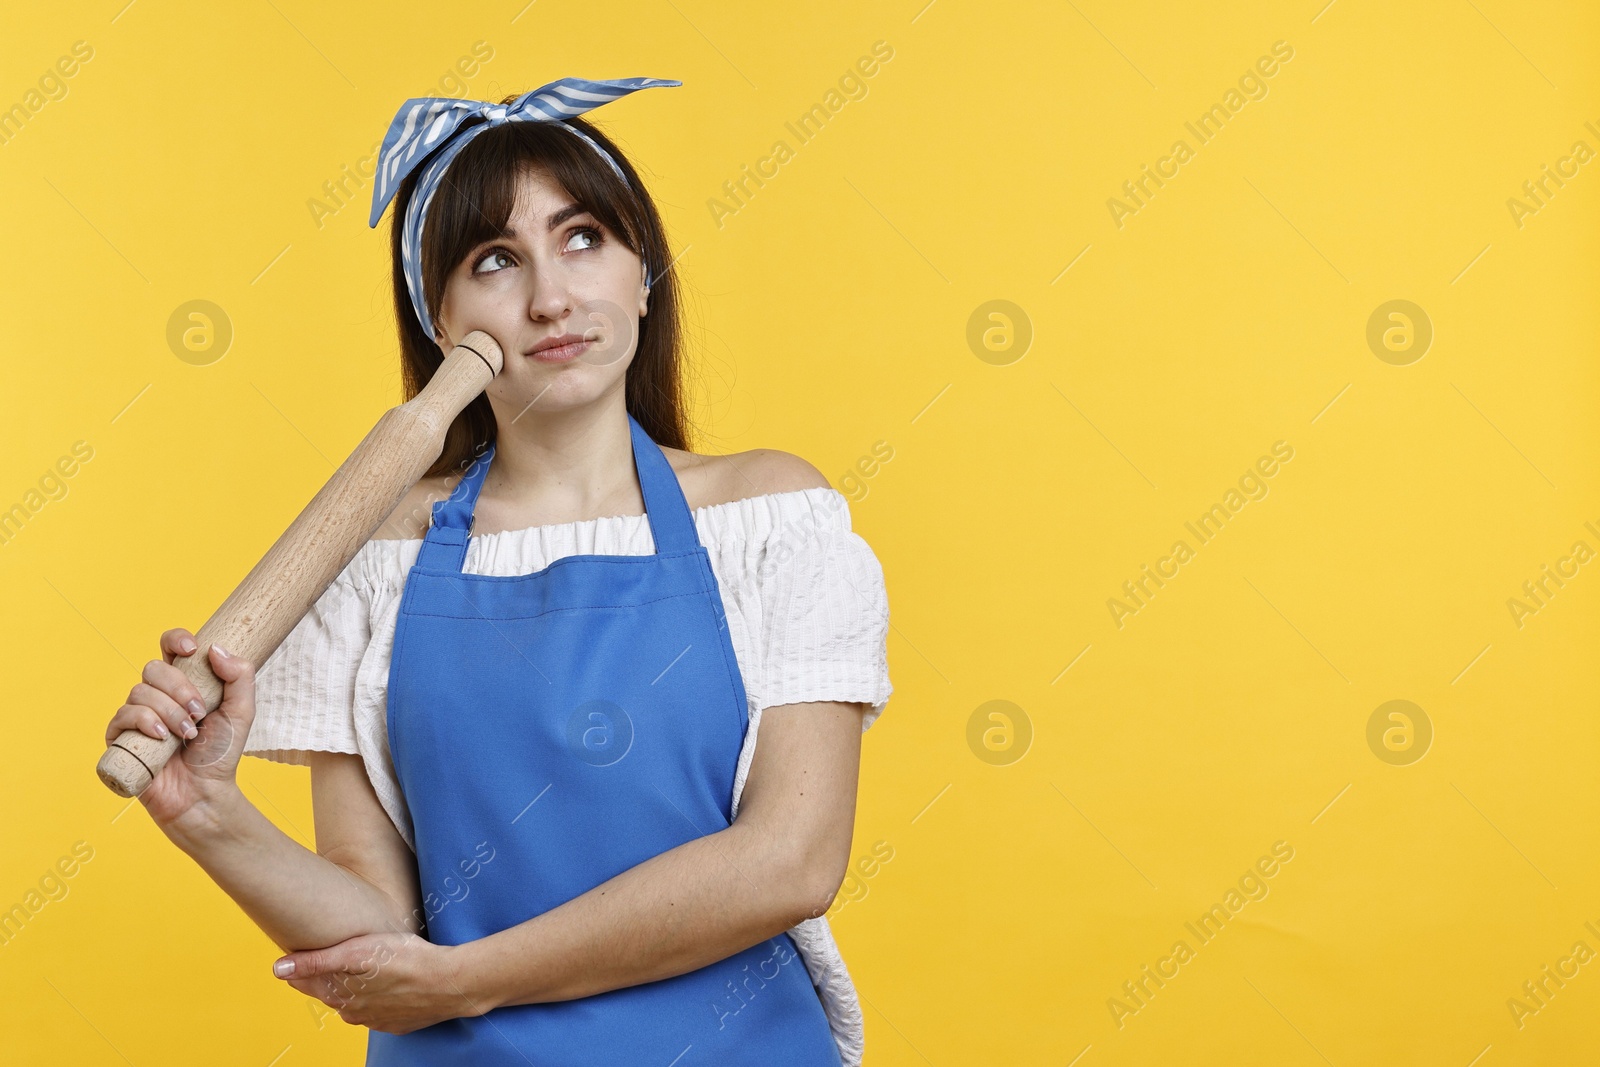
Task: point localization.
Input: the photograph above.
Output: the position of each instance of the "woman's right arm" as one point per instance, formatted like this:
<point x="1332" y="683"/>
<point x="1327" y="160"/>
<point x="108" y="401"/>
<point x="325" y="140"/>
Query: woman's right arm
<point x="362" y="878"/>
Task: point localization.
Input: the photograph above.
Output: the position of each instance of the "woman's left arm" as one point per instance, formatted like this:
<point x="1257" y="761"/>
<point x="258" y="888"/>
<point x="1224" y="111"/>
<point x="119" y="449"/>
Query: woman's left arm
<point x="782" y="861"/>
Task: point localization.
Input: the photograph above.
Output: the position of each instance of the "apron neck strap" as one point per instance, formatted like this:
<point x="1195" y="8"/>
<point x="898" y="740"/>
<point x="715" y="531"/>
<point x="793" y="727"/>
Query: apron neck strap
<point x="671" y="525"/>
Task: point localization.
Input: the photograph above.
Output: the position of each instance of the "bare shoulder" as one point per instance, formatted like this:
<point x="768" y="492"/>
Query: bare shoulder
<point x="411" y="517"/>
<point x="706" y="481"/>
<point x="709" y="480"/>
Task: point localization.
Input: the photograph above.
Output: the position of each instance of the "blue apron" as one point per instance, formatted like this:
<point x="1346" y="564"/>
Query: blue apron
<point x="550" y="731"/>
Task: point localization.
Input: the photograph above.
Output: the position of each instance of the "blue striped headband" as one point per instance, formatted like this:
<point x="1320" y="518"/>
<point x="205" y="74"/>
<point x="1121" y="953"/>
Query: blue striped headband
<point x="427" y="132"/>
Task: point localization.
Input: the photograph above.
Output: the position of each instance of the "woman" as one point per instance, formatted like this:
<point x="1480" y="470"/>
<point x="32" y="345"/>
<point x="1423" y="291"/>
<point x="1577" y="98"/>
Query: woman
<point x="544" y="830"/>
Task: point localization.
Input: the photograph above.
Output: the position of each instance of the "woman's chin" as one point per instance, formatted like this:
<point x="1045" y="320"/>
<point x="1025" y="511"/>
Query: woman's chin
<point x="556" y="388"/>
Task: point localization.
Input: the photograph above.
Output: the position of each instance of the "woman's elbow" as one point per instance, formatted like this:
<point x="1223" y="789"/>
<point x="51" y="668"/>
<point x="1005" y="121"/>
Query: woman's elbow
<point x="803" y="857"/>
<point x="813" y="878"/>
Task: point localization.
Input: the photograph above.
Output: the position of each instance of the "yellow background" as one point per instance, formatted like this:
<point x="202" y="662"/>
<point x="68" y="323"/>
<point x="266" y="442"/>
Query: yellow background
<point x="830" y="313"/>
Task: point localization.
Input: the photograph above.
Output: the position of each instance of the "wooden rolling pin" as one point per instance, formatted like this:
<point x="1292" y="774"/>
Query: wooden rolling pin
<point x="323" y="538"/>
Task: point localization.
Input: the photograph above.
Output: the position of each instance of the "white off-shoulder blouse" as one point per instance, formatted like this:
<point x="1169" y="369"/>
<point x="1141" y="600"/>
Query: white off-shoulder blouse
<point x="807" y="613"/>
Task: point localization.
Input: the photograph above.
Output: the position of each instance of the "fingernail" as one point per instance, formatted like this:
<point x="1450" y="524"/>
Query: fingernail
<point x="224" y="653"/>
<point x="283" y="968"/>
<point x="188" y="646"/>
<point x="161" y="728"/>
<point x="189" y="729"/>
<point x="197" y="709"/>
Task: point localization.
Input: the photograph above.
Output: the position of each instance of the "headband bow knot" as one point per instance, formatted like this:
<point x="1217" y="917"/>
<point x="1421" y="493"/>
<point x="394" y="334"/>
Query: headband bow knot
<point x="428" y="132"/>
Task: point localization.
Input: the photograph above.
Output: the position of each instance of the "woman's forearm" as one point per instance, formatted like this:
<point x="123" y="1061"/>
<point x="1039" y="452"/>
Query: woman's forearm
<point x="676" y="912"/>
<point x="299" y="899"/>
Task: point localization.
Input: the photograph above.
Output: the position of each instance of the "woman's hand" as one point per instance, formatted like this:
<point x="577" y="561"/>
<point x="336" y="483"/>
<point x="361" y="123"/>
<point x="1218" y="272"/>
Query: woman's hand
<point x="187" y="791"/>
<point x="396" y="983"/>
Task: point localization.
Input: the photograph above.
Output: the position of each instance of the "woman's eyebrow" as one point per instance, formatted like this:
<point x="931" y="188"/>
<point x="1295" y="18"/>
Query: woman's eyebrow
<point x="556" y="219"/>
<point x="563" y="215"/>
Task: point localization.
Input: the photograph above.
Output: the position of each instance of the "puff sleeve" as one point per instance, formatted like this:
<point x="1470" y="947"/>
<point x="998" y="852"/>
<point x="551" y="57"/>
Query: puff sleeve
<point x="305" y="691"/>
<point x="824" y="612"/>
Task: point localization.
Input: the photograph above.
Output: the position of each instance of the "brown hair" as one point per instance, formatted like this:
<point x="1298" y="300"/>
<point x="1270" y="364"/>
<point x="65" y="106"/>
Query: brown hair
<point x="473" y="204"/>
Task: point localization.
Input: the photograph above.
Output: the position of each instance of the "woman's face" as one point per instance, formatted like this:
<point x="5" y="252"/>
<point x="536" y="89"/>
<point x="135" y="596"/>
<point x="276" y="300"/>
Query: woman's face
<point x="557" y="271"/>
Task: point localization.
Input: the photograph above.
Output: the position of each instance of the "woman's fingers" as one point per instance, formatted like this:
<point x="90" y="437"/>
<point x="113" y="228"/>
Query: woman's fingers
<point x="238" y="682"/>
<point x="323" y="988"/>
<point x="165" y="702"/>
<point x="137" y="717"/>
<point x="177" y="642"/>
<point x="180" y="721"/>
<point x="175" y="685"/>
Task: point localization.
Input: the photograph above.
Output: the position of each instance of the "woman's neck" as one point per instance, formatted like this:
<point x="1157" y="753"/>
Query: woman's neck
<point x="560" y="466"/>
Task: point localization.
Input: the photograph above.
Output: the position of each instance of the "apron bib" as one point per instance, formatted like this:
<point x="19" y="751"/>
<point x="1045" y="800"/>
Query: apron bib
<point x="550" y="731"/>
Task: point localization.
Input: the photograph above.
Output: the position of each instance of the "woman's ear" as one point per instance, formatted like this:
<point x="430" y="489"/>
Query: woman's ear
<point x="441" y="338"/>
<point x="644" y="290"/>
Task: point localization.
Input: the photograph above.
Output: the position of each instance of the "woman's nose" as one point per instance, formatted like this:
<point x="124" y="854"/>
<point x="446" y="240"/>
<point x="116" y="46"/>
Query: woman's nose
<point x="551" y="297"/>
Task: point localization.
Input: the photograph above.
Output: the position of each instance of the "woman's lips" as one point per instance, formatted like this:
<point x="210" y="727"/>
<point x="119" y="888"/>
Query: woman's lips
<point x="562" y="353"/>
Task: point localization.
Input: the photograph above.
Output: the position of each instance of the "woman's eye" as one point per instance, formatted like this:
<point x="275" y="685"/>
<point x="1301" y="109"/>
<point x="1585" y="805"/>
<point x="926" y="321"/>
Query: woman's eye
<point x="499" y="259"/>
<point x="590" y="232"/>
